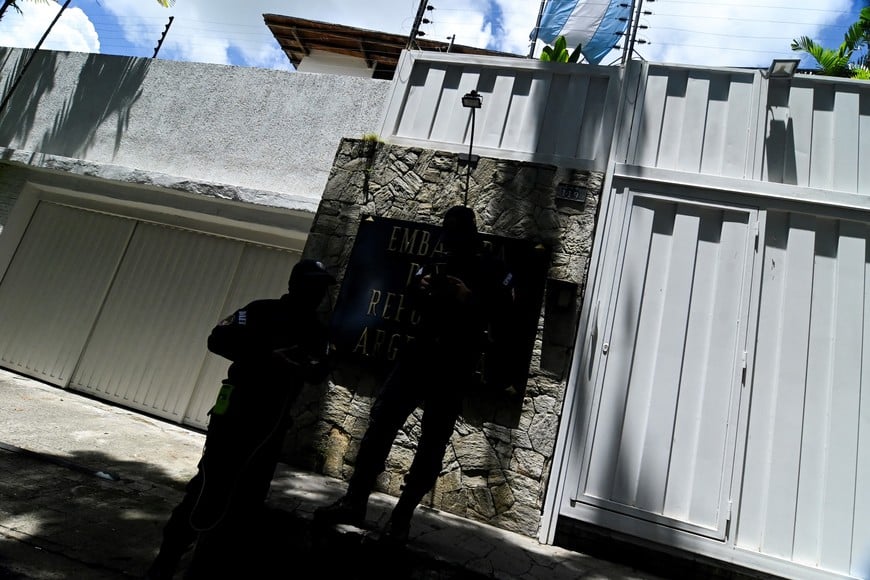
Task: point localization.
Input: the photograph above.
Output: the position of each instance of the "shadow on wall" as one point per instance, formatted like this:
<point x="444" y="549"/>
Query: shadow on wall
<point x="779" y="150"/>
<point x="107" y="88"/>
<point x="16" y="121"/>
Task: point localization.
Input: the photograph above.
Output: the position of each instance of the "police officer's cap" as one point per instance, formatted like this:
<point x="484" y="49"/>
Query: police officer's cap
<point x="306" y="271"/>
<point x="459" y="226"/>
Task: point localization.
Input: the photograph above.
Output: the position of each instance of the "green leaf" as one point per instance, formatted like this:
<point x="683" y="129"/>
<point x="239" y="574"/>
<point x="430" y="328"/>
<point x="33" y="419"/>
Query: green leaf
<point x="575" y="56"/>
<point x="559" y="52"/>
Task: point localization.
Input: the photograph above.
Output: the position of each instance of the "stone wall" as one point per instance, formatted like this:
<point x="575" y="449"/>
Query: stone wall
<point x="496" y="468"/>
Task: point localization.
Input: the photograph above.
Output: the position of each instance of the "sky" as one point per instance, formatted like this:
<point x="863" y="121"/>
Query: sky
<point x="738" y="33"/>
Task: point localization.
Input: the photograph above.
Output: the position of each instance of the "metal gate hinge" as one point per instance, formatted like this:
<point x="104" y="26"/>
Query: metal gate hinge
<point x="605" y="347"/>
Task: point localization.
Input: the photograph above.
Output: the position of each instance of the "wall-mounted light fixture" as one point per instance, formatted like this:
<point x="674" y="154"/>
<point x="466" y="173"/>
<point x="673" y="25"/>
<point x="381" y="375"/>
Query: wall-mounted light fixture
<point x="782" y="68"/>
<point x="471" y="100"/>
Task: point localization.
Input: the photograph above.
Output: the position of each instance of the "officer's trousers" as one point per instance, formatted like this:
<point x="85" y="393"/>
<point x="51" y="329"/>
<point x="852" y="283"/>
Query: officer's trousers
<point x="408" y="386"/>
<point x="223" y="500"/>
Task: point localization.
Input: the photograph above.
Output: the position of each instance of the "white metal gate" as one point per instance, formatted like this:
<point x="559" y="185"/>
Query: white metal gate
<point x="723" y="403"/>
<point x="806" y="472"/>
<point x="661" y="438"/>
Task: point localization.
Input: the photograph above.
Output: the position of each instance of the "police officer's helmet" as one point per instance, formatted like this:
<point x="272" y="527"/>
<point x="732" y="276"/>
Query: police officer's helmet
<point x="310" y="273"/>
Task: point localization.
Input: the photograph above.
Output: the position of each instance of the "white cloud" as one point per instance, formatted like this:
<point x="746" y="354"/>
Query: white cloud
<point x="466" y="20"/>
<point x="72" y="32"/>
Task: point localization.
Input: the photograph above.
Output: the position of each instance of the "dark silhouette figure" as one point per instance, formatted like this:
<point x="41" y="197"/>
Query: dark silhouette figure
<point x="459" y="296"/>
<point x="275" y="345"/>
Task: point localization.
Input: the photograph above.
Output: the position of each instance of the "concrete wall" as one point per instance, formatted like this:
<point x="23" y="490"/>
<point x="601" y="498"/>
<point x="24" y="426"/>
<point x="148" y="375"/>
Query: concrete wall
<point x="256" y="135"/>
<point x="497" y="465"/>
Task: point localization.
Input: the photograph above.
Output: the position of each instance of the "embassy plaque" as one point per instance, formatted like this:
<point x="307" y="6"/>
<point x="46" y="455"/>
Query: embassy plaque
<point x="373" y="317"/>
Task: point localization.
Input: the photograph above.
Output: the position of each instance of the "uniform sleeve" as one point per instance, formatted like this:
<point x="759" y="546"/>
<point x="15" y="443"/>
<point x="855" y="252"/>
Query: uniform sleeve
<point x="237" y="339"/>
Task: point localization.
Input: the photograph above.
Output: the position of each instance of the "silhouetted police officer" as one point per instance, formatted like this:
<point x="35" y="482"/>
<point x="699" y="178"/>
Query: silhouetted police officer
<point x="458" y="295"/>
<point x="275" y="345"/>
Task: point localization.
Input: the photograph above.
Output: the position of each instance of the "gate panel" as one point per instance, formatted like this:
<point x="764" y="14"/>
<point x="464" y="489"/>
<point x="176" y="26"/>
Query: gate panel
<point x="805" y="477"/>
<point x="54" y="286"/>
<point x="663" y="442"/>
<point x="167" y="296"/>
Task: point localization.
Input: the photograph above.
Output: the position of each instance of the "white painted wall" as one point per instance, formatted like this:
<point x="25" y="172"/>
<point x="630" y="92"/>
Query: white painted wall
<point x="320" y="61"/>
<point x="258" y="135"/>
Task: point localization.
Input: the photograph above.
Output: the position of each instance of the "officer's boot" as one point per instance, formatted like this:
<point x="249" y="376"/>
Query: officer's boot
<point x="399" y="524"/>
<point x="349" y="509"/>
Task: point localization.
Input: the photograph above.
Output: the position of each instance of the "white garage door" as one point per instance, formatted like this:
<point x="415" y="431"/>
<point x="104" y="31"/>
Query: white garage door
<point x="53" y="289"/>
<point x="121" y="308"/>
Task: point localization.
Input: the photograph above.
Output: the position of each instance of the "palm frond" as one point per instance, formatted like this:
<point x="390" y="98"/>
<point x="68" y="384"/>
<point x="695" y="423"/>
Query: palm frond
<point x="862" y="73"/>
<point x="807" y="45"/>
<point x="853" y="37"/>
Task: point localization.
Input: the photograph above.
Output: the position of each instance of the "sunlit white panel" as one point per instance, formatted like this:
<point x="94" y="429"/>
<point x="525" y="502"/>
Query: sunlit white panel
<point x="419" y="106"/>
<point x="651" y="118"/>
<point x="451" y="117"/>
<point x="591" y="142"/>
<point x="799" y="137"/>
<point x="491" y="118"/>
<point x="806" y="467"/>
<point x="846" y="150"/>
<point x="700" y="470"/>
<point x="736" y="94"/>
<point x="674" y="121"/>
<point x="149" y="342"/>
<point x="523" y="123"/>
<point x="694" y="125"/>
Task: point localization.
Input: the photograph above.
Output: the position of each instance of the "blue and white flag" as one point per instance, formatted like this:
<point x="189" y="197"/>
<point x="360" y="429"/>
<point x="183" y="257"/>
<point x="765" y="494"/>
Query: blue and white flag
<point x="594" y="24"/>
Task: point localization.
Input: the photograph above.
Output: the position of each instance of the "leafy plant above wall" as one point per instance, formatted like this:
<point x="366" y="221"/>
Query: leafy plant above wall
<point x="559" y="52"/>
<point x="851" y="59"/>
